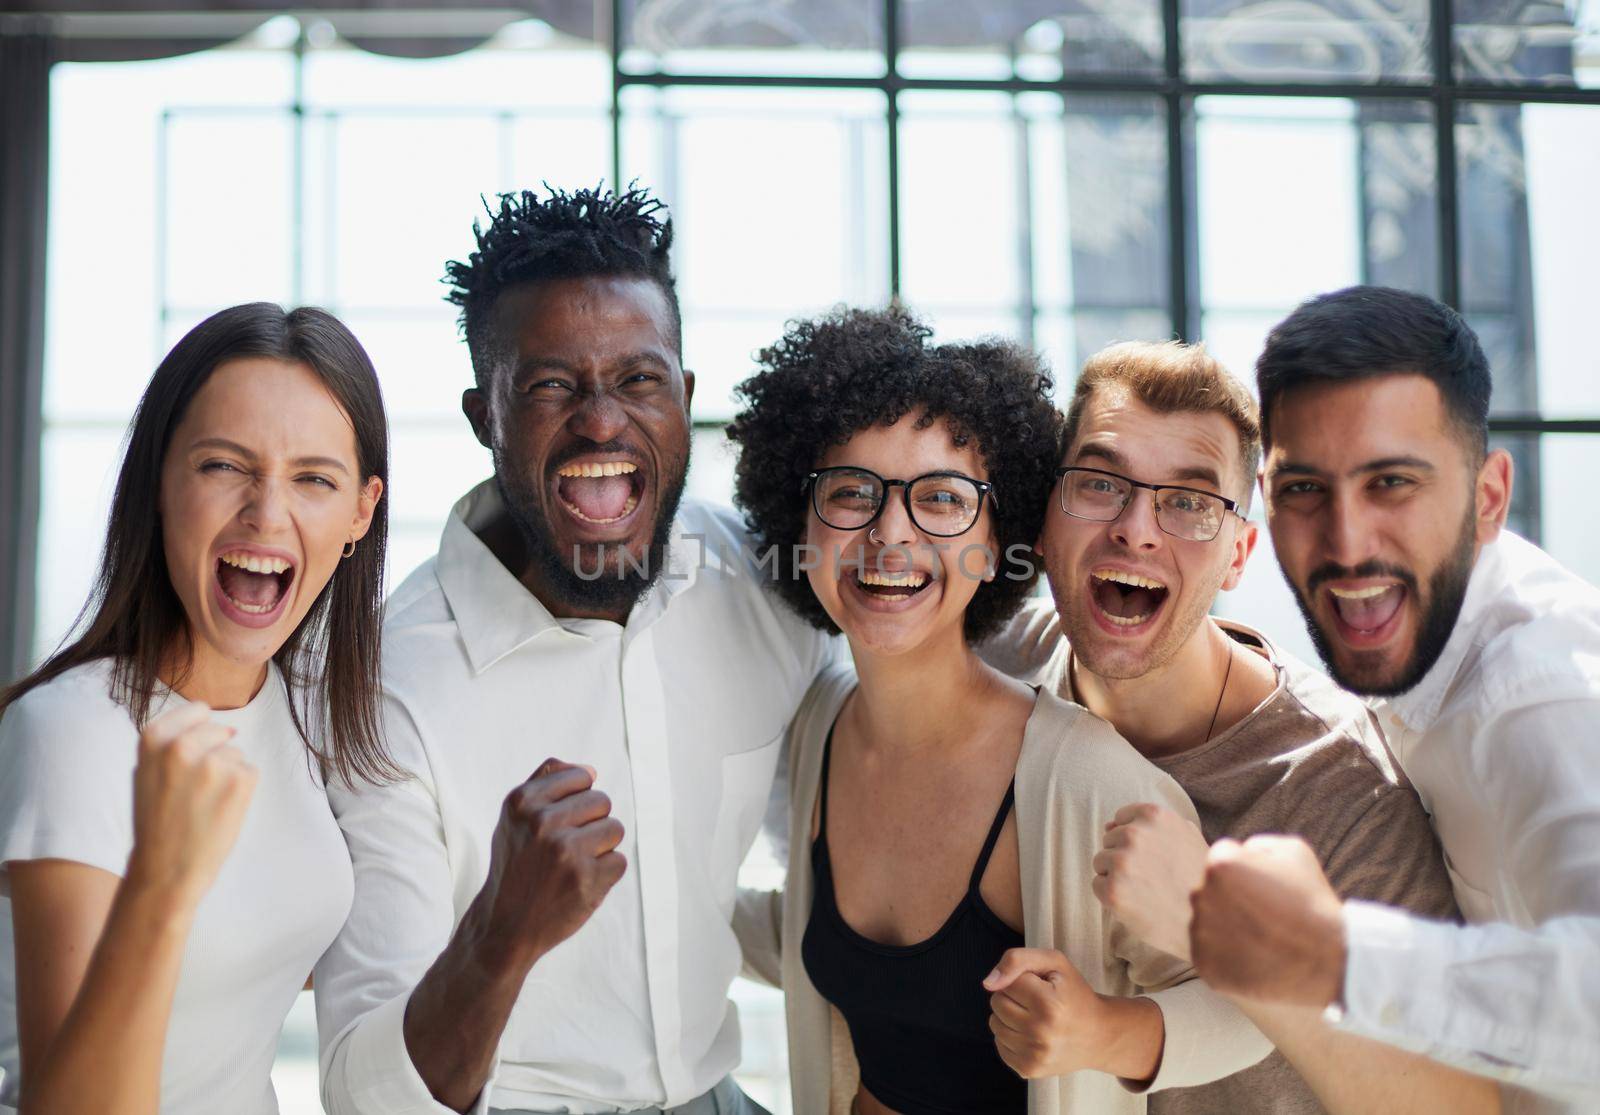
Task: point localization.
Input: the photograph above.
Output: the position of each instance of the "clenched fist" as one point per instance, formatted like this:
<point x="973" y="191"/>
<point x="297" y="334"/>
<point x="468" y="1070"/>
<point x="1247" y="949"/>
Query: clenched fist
<point x="1267" y="925"/>
<point x="190" y="792"/>
<point x="1048" y="1021"/>
<point x="1150" y="862"/>
<point x="553" y="859"/>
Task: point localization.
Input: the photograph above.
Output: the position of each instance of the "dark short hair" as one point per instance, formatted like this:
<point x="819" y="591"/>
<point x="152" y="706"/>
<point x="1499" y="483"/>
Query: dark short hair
<point x="1170" y="377"/>
<point x="134" y="616"/>
<point x="829" y="378"/>
<point x="1362" y="332"/>
<point x="574" y="235"/>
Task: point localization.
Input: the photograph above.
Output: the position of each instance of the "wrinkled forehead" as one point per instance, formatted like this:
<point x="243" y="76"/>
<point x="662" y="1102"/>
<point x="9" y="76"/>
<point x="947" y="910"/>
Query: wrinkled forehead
<point x="1118" y="432"/>
<point x="1334" y="427"/>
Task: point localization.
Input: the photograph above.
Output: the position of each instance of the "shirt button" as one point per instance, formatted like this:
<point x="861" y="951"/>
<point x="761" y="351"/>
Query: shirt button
<point x="1390" y="1016"/>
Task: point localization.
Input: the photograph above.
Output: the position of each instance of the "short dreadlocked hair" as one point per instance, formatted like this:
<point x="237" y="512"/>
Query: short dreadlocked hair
<point x="565" y="236"/>
<point x="828" y="379"/>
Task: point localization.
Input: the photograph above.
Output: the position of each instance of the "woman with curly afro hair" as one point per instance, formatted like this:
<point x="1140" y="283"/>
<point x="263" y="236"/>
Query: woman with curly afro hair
<point x="898" y="487"/>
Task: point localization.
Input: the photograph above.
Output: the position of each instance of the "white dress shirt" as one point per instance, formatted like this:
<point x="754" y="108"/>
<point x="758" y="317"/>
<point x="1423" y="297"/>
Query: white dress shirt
<point x="1502" y="740"/>
<point x="681" y="711"/>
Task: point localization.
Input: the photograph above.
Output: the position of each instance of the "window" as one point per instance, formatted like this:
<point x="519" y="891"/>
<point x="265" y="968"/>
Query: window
<point x="1062" y="173"/>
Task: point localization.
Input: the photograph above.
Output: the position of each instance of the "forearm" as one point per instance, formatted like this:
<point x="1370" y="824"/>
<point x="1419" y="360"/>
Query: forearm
<point x="1351" y="1075"/>
<point x="1135" y="1036"/>
<point x="458" y="1011"/>
<point x="106" y="1057"/>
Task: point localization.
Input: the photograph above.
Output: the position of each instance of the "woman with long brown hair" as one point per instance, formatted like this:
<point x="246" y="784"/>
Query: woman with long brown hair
<point x="227" y="667"/>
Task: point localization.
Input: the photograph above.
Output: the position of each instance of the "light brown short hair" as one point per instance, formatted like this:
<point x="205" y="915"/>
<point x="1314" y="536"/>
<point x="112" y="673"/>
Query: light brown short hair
<point x="1173" y="378"/>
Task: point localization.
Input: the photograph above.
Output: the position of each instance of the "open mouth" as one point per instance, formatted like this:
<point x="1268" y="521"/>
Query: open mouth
<point x="1126" y="600"/>
<point x="898" y="585"/>
<point x="1367" y="613"/>
<point x="600" y="492"/>
<point x="254" y="585"/>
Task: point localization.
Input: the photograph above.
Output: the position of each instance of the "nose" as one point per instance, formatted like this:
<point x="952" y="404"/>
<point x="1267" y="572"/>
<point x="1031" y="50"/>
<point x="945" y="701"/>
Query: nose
<point x="893" y="525"/>
<point x="266" y="509"/>
<point x="1136" y="528"/>
<point x="598" y="417"/>
<point x="1347" y="537"/>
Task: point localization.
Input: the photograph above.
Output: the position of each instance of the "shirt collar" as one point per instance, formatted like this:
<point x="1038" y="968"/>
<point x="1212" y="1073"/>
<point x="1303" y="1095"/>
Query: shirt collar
<point x="1418" y="707"/>
<point x="496" y="614"/>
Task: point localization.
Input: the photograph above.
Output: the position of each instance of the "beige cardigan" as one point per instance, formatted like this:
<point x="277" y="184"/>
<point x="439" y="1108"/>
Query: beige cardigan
<point x="1073" y="774"/>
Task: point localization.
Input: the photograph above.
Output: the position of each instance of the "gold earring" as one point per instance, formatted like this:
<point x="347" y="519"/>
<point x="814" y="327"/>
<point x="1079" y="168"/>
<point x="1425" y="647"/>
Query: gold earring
<point x="349" y="548"/>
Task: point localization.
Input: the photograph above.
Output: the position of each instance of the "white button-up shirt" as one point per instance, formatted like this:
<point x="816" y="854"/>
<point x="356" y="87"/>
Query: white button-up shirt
<point x="681" y="711"/>
<point x="1502" y="740"/>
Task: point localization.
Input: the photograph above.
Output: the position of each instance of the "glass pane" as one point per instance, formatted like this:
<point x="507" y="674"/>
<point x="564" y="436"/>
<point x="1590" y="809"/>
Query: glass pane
<point x="779" y="209"/>
<point x="1529" y="231"/>
<point x="1528" y="42"/>
<point x="1348" y="195"/>
<point x="397" y="196"/>
<point x="104" y="248"/>
<point x="77" y="473"/>
<point x="229" y="207"/>
<point x="1241" y="40"/>
<point x="421" y="359"/>
<point x="839" y="37"/>
<point x="1057" y="233"/>
<point x="431" y="465"/>
<point x="1039" y="42"/>
<point x="1568" y="527"/>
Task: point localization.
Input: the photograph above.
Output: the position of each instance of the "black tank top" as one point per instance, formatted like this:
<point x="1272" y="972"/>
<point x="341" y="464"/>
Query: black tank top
<point x="918" y="1014"/>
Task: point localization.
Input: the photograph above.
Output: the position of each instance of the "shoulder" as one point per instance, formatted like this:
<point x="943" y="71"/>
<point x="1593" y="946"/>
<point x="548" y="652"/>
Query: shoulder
<point x="734" y="593"/>
<point x="1317" y="721"/>
<point x="820" y="707"/>
<point x="1070" y="755"/>
<point x="1537" y="637"/>
<point x="76" y="709"/>
<point x="419" y="599"/>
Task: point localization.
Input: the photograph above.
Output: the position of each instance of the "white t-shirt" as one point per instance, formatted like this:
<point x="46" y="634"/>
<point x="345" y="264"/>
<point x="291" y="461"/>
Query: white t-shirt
<point x="67" y="754"/>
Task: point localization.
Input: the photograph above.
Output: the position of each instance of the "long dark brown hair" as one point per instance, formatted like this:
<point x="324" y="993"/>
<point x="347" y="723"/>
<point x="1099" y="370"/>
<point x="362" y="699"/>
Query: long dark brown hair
<point x="133" y="615"/>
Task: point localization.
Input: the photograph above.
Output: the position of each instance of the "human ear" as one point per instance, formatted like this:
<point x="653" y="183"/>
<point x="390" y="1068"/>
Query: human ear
<point x="1244" y="544"/>
<point x="475" y="405"/>
<point x="366" y="507"/>
<point x="1492" y="495"/>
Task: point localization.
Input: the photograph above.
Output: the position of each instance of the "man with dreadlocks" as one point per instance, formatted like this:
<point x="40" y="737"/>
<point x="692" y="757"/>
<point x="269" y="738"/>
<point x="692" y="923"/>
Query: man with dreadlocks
<point x="561" y="942"/>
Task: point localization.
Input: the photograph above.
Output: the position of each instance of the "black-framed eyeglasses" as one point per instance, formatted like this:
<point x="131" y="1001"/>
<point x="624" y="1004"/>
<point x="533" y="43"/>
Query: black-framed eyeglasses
<point x="942" y="504"/>
<point x="1188" y="513"/>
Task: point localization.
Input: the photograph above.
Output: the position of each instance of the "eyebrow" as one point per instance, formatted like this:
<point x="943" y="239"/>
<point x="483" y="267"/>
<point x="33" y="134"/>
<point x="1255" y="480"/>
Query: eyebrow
<point x="1381" y="464"/>
<point x="1188" y="472"/>
<point x="555" y="363"/>
<point x="299" y="462"/>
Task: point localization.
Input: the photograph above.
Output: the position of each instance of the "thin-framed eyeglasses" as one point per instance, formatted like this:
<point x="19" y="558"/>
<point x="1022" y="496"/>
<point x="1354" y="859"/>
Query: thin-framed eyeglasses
<point x="1191" y="514"/>
<point x="942" y="504"/>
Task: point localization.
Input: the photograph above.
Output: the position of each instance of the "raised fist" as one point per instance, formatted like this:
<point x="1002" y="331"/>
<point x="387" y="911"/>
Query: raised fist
<point x="553" y="859"/>
<point x="190" y="792"/>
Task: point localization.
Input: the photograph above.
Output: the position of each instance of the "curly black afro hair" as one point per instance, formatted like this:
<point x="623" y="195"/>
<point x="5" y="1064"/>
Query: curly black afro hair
<point x="830" y="378"/>
<point x="565" y="236"/>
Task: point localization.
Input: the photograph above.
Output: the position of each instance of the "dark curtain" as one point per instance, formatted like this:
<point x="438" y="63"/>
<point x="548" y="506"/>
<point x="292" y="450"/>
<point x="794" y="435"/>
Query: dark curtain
<point x="24" y="119"/>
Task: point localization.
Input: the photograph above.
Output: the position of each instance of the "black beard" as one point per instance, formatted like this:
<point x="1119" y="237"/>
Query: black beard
<point x="1447" y="588"/>
<point x="598" y="588"/>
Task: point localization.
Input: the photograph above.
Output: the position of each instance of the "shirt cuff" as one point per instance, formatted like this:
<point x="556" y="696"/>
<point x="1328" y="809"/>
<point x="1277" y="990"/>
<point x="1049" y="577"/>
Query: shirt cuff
<point x="1391" y="991"/>
<point x="379" y="1076"/>
<point x="1207" y="1038"/>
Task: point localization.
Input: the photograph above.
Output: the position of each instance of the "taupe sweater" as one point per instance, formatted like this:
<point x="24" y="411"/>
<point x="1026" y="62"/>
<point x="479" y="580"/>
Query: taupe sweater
<point x="1073" y="774"/>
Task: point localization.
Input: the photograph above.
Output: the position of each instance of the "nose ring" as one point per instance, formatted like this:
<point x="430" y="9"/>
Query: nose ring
<point x="872" y="536"/>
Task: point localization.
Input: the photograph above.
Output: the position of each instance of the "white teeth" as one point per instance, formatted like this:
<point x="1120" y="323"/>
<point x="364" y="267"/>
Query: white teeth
<point x="254" y="563"/>
<point x="1127" y="621"/>
<point x="1119" y="577"/>
<point x="593" y="469"/>
<point x="904" y="578"/>
<point x="627" y="509"/>
<point x="1360" y="593"/>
